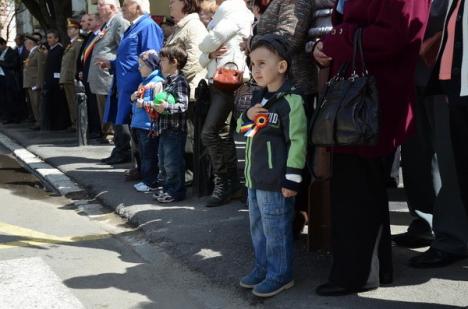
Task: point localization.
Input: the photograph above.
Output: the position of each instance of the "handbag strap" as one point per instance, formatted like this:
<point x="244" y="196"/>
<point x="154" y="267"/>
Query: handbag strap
<point x="357" y="48"/>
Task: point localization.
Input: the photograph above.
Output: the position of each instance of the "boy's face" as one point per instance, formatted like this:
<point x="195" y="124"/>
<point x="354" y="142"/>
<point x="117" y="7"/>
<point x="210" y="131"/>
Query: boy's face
<point x="143" y="68"/>
<point x="268" y="69"/>
<point x="168" y="67"/>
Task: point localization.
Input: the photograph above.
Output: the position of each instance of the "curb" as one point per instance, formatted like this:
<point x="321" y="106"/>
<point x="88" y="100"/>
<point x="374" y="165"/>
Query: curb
<point x="54" y="179"/>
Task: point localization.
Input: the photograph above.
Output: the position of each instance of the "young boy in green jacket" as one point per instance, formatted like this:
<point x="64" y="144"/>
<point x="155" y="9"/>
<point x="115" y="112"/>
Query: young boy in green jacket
<point x="276" y="131"/>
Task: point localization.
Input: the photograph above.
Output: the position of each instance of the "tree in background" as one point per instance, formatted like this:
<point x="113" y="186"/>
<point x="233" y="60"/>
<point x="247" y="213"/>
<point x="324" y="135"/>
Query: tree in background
<point x="51" y="14"/>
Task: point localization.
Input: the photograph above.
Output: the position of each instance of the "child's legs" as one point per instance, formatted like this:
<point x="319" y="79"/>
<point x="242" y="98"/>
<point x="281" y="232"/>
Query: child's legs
<point x="147" y="147"/>
<point x="136" y="150"/>
<point x="277" y="216"/>
<point x="173" y="149"/>
<point x="256" y="233"/>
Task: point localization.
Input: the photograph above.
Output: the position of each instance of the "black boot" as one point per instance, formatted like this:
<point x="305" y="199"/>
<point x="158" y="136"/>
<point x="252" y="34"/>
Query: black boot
<point x="221" y="194"/>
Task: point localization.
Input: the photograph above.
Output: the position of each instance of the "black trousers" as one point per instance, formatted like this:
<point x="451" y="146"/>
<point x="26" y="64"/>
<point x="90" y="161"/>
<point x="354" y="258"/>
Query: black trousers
<point x="217" y="133"/>
<point x="11" y="107"/>
<point x="458" y="109"/>
<point x="122" y="138"/>
<point x="419" y="163"/>
<point x="360" y="222"/>
<point x="54" y="109"/>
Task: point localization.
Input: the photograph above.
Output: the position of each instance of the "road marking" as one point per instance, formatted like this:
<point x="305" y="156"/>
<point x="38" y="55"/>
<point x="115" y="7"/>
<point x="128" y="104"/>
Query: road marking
<point x="34" y="238"/>
<point x="30" y="283"/>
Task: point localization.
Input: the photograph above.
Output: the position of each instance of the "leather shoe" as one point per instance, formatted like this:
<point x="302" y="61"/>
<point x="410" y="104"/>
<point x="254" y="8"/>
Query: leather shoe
<point x="118" y="160"/>
<point x="330" y="289"/>
<point x="410" y="240"/>
<point x="433" y="258"/>
<point x="107" y="159"/>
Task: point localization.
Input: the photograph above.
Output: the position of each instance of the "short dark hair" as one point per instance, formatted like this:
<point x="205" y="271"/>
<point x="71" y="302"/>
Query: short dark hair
<point x="54" y="32"/>
<point x="175" y="52"/>
<point x="191" y="6"/>
<point x="2" y="41"/>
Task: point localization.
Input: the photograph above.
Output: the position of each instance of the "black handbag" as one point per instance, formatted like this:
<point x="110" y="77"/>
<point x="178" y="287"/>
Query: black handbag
<point x="348" y="112"/>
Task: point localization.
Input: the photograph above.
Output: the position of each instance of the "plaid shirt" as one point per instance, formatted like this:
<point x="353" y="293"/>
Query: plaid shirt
<point x="175" y="115"/>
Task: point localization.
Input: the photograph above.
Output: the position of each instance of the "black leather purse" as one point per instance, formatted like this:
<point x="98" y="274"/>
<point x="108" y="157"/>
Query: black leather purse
<point x="348" y="112"/>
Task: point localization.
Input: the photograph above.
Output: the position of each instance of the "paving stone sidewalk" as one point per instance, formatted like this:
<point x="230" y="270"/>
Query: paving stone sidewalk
<point x="216" y="242"/>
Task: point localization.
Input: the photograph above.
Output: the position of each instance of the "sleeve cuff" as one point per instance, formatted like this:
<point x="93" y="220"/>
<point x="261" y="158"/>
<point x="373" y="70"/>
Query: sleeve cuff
<point x="291" y="185"/>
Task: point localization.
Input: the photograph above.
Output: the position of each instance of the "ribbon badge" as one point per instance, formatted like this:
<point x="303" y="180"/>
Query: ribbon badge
<point x="251" y="128"/>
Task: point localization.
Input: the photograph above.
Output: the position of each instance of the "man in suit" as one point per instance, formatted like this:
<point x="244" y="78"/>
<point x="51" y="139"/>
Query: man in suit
<point x="91" y="26"/>
<point x="8" y="83"/>
<point x="31" y="81"/>
<point x="105" y="48"/>
<point x="55" y="111"/>
<point x="68" y="68"/>
<point x="24" y="107"/>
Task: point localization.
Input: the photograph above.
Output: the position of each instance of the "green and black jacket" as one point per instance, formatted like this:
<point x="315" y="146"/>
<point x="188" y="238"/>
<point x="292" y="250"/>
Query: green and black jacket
<point x="279" y="149"/>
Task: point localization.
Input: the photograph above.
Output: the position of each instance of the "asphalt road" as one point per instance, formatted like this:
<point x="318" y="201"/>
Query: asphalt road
<point x="196" y="255"/>
<point x="59" y="254"/>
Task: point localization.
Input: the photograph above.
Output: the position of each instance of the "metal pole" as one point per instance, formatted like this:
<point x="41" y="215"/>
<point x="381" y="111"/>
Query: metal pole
<point x="82" y="114"/>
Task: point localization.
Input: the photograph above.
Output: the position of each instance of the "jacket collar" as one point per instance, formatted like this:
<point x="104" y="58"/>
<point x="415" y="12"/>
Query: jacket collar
<point x="286" y="88"/>
<point x="187" y="19"/>
<point x="151" y="76"/>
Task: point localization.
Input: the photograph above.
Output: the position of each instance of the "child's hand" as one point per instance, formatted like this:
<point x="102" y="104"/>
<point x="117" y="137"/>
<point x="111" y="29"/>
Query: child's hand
<point x="161" y="107"/>
<point x="288" y="193"/>
<point x="134" y="96"/>
<point x="255" y="110"/>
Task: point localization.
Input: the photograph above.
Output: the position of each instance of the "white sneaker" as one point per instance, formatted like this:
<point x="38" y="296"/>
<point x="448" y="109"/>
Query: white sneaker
<point x="142" y="187"/>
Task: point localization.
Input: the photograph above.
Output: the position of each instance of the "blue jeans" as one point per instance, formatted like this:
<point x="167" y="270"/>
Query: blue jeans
<point x="172" y="162"/>
<point x="148" y="156"/>
<point x="271" y="217"/>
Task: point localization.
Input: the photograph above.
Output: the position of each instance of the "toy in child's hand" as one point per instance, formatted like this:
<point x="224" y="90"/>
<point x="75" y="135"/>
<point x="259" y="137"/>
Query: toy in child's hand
<point x="164" y="96"/>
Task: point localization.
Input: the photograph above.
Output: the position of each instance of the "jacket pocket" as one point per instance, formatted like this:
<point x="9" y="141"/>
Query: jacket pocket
<point x="270" y="157"/>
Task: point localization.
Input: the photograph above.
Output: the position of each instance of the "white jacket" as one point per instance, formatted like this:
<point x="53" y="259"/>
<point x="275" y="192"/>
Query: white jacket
<point x="189" y="32"/>
<point x="231" y="23"/>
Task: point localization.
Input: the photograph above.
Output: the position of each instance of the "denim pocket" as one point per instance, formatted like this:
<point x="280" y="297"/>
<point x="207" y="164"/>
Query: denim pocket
<point x="272" y="203"/>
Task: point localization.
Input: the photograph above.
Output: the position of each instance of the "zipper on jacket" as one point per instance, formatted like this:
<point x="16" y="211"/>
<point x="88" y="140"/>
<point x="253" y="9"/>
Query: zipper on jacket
<point x="270" y="161"/>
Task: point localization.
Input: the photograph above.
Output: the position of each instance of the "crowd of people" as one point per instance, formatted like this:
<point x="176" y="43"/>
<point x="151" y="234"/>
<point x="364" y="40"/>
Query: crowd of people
<point x="141" y="79"/>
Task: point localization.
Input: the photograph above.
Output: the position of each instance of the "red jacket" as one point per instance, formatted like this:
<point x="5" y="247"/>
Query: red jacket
<point x="392" y="34"/>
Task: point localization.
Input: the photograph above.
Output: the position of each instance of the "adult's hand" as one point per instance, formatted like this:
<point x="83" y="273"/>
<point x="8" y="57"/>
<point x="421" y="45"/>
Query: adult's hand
<point x="218" y="53"/>
<point x="323" y="59"/>
<point x="255" y="110"/>
<point x="103" y="64"/>
<point x="244" y="45"/>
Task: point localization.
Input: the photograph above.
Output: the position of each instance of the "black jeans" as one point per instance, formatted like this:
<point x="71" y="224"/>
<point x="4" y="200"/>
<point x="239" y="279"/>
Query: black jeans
<point x="217" y="133"/>
<point x="360" y="222"/>
<point x="458" y="109"/>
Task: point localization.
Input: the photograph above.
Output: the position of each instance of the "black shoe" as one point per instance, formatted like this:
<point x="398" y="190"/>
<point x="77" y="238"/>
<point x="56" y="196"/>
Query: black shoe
<point x="105" y="160"/>
<point x="35" y="128"/>
<point x="329" y="289"/>
<point x="410" y="240"/>
<point x="433" y="258"/>
<point x="221" y="194"/>
<point x="118" y="160"/>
